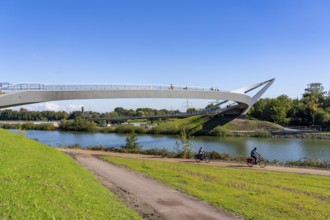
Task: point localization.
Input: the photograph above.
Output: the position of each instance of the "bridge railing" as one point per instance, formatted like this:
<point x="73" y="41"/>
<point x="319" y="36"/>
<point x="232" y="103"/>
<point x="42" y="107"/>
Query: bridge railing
<point x="91" y="87"/>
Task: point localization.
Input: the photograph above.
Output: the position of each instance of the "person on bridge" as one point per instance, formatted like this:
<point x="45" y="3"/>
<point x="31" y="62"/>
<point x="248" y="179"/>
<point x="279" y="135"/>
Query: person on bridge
<point x="254" y="155"/>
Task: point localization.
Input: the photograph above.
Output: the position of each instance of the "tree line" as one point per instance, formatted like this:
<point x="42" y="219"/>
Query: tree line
<point x="25" y="115"/>
<point x="312" y="109"/>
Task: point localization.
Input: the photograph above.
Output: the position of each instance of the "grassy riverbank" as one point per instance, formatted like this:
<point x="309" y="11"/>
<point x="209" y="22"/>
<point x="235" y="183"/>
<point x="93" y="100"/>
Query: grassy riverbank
<point x="39" y="182"/>
<point x="195" y="125"/>
<point x="250" y="193"/>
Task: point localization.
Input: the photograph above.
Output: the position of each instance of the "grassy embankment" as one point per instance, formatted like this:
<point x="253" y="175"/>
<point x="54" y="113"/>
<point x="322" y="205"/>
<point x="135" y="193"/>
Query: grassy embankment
<point x="249" y="193"/>
<point x="39" y="182"/>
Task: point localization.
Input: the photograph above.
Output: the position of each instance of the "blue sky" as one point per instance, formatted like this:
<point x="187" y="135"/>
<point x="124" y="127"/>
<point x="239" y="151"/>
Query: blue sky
<point x="222" y="43"/>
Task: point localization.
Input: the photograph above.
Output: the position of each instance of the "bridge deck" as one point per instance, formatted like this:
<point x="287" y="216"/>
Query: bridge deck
<point x="94" y="87"/>
<point x="29" y="93"/>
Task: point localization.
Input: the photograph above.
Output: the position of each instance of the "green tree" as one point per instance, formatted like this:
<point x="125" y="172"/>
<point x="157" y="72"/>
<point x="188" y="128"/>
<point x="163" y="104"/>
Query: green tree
<point x="90" y="126"/>
<point x="66" y="124"/>
<point x="313" y="98"/>
<point x="281" y="107"/>
<point x="132" y="142"/>
<point x="257" y="110"/>
<point x="79" y="123"/>
<point x="113" y="114"/>
<point x="121" y="111"/>
<point x="297" y="113"/>
<point x="191" y="110"/>
<point x="185" y="142"/>
<point x="140" y="113"/>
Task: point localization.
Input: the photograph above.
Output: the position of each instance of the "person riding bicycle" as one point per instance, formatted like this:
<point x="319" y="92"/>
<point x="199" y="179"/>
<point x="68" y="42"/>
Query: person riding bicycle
<point x="201" y="152"/>
<point x="254" y="155"/>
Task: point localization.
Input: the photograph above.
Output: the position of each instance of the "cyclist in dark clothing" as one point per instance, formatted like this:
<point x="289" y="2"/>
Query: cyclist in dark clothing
<point x="201" y="152"/>
<point x="254" y="155"/>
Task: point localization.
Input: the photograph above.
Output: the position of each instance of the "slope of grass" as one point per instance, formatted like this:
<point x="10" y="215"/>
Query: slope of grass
<point x="204" y="125"/>
<point x="250" y="193"/>
<point x="174" y="125"/>
<point x="39" y="182"/>
<point x="250" y="125"/>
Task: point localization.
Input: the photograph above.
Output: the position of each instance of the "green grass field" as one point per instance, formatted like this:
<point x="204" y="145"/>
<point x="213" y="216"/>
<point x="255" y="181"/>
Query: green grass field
<point x="249" y="193"/>
<point x="39" y="182"/>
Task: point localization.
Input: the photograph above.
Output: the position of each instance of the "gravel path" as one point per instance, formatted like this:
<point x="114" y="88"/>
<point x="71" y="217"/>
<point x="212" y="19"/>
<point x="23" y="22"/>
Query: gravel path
<point x="150" y="198"/>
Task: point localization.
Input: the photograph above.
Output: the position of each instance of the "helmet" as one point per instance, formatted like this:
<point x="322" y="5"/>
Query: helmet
<point x="255" y="148"/>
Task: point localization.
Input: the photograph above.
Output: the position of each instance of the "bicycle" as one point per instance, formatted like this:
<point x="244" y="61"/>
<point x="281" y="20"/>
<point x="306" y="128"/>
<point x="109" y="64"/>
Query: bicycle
<point x="205" y="157"/>
<point x="260" y="161"/>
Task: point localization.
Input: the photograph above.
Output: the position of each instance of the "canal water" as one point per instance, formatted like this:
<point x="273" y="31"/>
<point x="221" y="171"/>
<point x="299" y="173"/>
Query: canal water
<point x="270" y="148"/>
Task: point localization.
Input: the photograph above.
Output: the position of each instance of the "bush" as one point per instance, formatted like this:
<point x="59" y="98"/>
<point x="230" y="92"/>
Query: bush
<point x="108" y="129"/>
<point x="160" y="152"/>
<point x="11" y="126"/>
<point x="125" y="129"/>
<point x="45" y="126"/>
<point x="131" y="142"/>
<point x="28" y="126"/>
<point x="307" y="162"/>
<point x="219" y="131"/>
<point x="262" y="134"/>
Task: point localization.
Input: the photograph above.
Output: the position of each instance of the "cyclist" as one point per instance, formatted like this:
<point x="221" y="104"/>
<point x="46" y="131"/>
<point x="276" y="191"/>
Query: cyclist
<point x="254" y="155"/>
<point x="201" y="152"/>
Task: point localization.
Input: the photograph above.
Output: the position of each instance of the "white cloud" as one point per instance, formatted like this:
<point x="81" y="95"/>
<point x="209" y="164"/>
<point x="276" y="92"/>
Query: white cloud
<point x="50" y="106"/>
<point x="72" y="108"/>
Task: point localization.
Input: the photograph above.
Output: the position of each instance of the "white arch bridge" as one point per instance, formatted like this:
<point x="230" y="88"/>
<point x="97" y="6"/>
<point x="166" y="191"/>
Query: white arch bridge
<point x="236" y="102"/>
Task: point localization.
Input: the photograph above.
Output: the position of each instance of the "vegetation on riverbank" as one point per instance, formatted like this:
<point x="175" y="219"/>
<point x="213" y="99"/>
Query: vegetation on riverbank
<point x="249" y="193"/>
<point x="29" y="126"/>
<point x="39" y="182"/>
<point x="195" y="125"/>
<point x="235" y="128"/>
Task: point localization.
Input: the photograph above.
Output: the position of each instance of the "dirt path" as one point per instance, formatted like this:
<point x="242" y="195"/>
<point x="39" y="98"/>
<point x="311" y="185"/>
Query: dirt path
<point x="167" y="203"/>
<point x="323" y="172"/>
